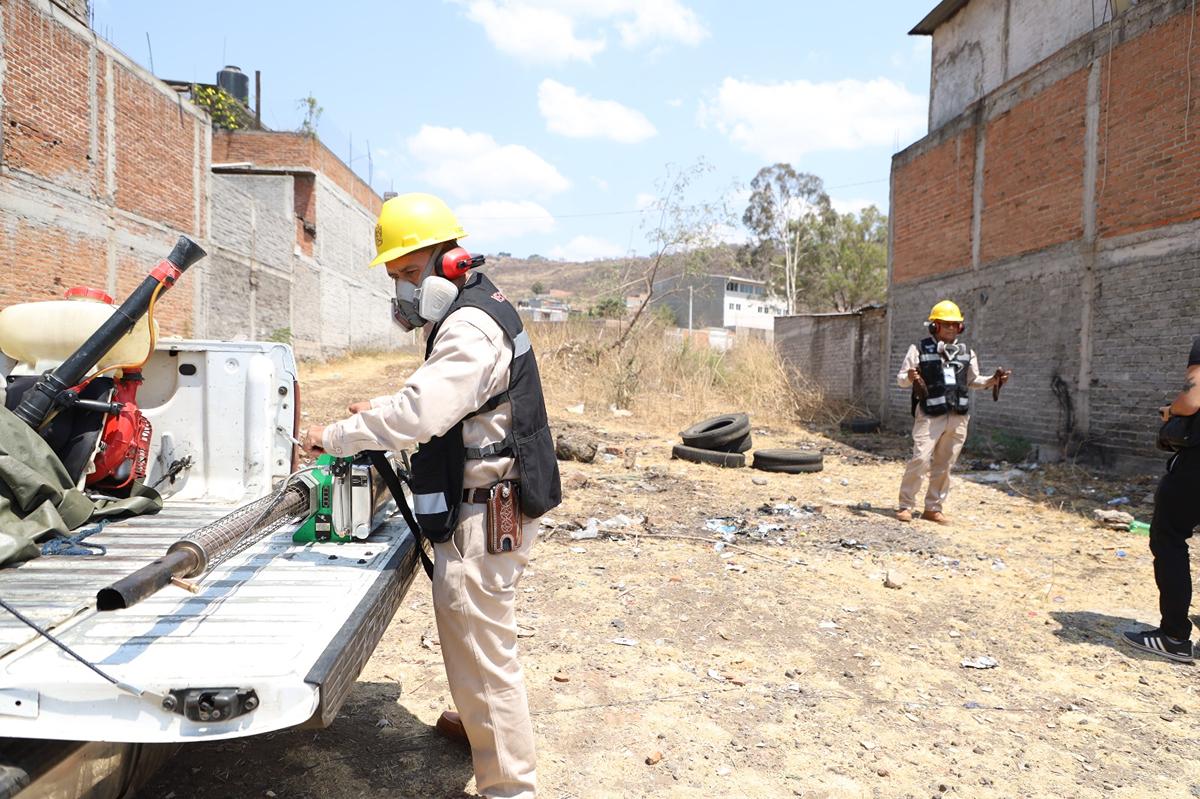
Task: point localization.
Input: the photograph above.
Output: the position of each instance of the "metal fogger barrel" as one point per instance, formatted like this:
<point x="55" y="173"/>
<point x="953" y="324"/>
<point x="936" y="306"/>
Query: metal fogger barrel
<point x="191" y="555"/>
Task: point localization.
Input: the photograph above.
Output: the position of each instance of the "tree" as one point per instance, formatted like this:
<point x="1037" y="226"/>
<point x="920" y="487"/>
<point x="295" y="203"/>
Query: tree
<point x="851" y="268"/>
<point x="784" y="210"/>
<point x="609" y="308"/>
<point x="683" y="233"/>
<point x="312" y="115"/>
<point x="537" y="288"/>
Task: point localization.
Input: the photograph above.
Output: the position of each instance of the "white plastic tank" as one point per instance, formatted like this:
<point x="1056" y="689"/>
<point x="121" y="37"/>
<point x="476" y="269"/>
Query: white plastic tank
<point x="41" y="335"/>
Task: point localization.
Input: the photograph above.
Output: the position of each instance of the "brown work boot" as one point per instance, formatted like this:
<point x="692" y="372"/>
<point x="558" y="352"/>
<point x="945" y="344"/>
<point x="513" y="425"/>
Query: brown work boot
<point x="904" y="515"/>
<point x="450" y="725"/>
<point x="935" y="516"/>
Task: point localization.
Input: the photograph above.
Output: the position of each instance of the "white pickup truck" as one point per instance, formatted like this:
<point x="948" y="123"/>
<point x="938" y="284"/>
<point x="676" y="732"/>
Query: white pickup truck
<point x="282" y="628"/>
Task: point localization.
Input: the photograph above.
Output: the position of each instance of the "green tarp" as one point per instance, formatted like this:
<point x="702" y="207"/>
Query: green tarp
<point x="38" y="498"/>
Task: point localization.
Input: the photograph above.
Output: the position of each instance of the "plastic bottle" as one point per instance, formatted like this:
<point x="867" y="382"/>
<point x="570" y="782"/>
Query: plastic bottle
<point x="1141" y="528"/>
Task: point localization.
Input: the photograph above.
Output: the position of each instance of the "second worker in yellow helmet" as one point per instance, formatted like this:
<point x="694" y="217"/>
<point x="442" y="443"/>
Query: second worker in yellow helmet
<point x="940" y="370"/>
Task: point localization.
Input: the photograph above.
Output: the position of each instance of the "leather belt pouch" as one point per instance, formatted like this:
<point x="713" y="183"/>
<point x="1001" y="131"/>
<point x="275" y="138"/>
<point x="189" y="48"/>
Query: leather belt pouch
<point x="504" y="518"/>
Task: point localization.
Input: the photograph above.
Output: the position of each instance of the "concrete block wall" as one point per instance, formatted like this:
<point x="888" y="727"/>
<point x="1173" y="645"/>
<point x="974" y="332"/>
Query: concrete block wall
<point x="839" y="353"/>
<point x="251" y="263"/>
<point x="1078" y="264"/>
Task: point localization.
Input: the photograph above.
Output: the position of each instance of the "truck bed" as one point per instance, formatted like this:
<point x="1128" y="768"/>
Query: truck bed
<point x="295" y="623"/>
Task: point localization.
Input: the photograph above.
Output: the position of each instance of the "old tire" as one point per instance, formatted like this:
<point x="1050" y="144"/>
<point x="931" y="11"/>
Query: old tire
<point x="743" y="444"/>
<point x="861" y="425"/>
<point x="788" y="461"/>
<point x="717" y="432"/>
<point x="728" y="460"/>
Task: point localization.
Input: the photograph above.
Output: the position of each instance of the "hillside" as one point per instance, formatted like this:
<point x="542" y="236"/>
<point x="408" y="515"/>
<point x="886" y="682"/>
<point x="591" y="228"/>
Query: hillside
<point x="585" y="282"/>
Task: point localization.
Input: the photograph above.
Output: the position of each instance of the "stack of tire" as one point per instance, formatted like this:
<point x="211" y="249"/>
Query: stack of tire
<point x="724" y="441"/>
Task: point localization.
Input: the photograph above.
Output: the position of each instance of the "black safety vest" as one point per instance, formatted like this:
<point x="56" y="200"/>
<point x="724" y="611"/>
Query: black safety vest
<point x="437" y="468"/>
<point x="946" y="380"/>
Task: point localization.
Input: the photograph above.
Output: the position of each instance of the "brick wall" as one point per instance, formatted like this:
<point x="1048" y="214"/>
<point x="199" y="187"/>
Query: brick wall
<point x="931" y="193"/>
<point x="281" y="149"/>
<point x="1149" y="168"/>
<point x="1084" y="238"/>
<point x="839" y="353"/>
<point x="102" y="167"/>
<point x="98" y="163"/>
<point x="1033" y="163"/>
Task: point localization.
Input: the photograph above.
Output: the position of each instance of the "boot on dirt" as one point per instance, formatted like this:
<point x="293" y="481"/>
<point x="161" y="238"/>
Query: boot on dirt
<point x="450" y="725"/>
<point x="904" y="515"/>
<point x="935" y="516"/>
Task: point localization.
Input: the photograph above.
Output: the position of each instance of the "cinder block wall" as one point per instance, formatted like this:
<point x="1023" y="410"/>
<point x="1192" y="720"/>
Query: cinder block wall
<point x="1062" y="211"/>
<point x="841" y="354"/>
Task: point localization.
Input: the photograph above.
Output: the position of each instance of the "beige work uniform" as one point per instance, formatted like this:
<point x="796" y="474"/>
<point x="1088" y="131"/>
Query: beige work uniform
<point x="937" y="440"/>
<point x="473" y="591"/>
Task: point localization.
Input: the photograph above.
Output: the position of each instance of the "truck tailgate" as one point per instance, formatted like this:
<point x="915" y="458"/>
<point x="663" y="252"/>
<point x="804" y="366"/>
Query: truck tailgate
<point x="294" y="623"/>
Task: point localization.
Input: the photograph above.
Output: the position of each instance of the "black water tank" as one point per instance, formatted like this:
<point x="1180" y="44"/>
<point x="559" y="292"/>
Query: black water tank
<point x="236" y="82"/>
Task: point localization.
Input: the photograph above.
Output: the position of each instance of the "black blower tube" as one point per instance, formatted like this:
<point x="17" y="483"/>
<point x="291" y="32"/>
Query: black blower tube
<point x="39" y="401"/>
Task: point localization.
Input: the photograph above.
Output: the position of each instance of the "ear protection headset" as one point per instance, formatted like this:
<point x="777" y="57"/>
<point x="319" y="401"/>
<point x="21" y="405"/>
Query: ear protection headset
<point x="413" y="306"/>
<point x="932" y="327"/>
<point x="456" y="262"/>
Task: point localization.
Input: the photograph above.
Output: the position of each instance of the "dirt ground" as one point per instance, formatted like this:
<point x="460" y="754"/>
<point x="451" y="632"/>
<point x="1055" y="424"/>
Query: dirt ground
<point x="779" y="664"/>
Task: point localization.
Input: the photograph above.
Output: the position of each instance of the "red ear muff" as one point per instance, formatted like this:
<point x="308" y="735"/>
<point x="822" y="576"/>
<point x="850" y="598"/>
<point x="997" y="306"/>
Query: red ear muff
<point x="456" y="262"/>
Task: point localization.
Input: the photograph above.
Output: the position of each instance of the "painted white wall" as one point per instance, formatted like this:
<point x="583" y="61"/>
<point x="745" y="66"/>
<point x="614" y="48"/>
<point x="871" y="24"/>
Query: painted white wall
<point x="989" y="42"/>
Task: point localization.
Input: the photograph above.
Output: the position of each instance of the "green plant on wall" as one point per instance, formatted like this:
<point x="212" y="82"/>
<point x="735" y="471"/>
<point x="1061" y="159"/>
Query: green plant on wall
<point x="312" y="115"/>
<point x="225" y="110"/>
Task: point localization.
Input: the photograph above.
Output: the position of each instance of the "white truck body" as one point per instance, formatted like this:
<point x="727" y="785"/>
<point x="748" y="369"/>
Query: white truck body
<point x="294" y="623"/>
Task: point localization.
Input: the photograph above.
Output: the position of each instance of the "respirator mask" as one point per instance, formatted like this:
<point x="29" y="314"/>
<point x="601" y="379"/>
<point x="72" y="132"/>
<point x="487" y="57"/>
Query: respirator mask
<point x="414" y="306"/>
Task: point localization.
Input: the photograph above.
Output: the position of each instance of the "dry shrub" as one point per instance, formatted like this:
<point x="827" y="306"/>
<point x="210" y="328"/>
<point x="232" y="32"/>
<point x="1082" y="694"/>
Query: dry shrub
<point x="667" y="382"/>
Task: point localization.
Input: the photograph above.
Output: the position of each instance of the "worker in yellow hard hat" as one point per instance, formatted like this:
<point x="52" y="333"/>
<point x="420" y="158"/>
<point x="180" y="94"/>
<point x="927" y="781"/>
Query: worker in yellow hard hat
<point x="940" y="370"/>
<point x="484" y="472"/>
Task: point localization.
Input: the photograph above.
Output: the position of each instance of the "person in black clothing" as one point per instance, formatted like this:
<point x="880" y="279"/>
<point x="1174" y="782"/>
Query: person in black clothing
<point x="1176" y="513"/>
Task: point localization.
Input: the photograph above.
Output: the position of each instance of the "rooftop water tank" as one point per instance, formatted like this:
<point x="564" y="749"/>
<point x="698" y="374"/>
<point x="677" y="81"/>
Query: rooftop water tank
<point x="236" y="82"/>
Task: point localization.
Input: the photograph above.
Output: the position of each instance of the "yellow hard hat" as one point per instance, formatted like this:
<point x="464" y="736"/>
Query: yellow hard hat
<point x="411" y="221"/>
<point x="945" y="311"/>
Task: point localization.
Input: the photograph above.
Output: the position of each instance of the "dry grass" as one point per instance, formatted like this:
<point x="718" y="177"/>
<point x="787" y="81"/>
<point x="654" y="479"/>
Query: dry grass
<point x="666" y="382"/>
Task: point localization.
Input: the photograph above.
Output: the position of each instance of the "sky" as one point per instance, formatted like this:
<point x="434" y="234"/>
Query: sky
<point x="549" y="125"/>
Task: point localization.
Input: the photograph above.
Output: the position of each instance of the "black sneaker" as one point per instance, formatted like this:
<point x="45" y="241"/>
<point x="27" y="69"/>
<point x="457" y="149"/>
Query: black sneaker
<point x="1155" y="642"/>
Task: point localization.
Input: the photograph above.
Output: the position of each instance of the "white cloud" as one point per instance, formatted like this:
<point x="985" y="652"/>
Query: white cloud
<point x="569" y="113"/>
<point x="531" y="32"/>
<point x="494" y="219"/>
<point x="546" y="31"/>
<point x="586" y="248"/>
<point x="784" y="121"/>
<point x="849" y="206"/>
<point x="601" y="183"/>
<point x="644" y="200"/>
<point x="473" y="165"/>
<point x="666" y="20"/>
<point x="675" y="102"/>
